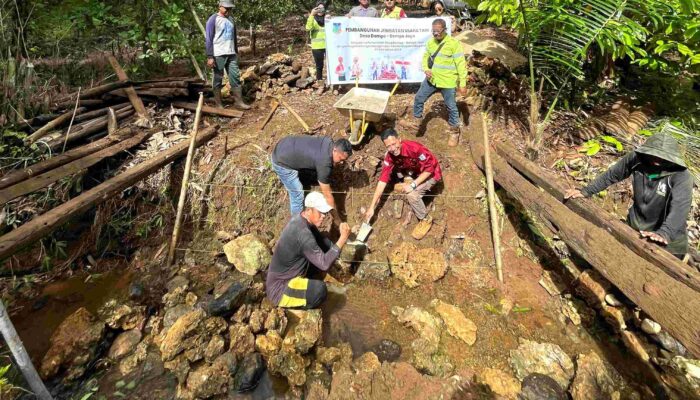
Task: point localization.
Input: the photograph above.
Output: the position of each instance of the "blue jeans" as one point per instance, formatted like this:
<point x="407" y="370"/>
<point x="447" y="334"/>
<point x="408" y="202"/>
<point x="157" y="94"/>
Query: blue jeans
<point x="291" y="182"/>
<point x="426" y="90"/>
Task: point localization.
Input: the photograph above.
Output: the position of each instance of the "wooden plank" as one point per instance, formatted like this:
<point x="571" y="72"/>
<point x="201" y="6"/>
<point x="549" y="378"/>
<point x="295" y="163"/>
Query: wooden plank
<point x="224" y="112"/>
<point x="37" y="228"/>
<point x="588" y="209"/>
<point x="92" y="92"/>
<point x="55" y="161"/>
<point x="133" y="97"/>
<point x="49" y="177"/>
<point x="56" y="123"/>
<point x="669" y="302"/>
<point x="88" y="128"/>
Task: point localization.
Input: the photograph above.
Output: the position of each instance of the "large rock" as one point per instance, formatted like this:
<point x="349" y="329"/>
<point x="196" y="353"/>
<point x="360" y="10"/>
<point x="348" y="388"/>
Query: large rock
<point x="229" y="301"/>
<point x="367" y="362"/>
<point x="73" y="345"/>
<point x="289" y="364"/>
<point x="457" y="324"/>
<point x="208" y="380"/>
<point x="543" y="358"/>
<point x="175" y="338"/>
<point x="500" y="383"/>
<point x="248" y="253"/>
<point x="428" y="360"/>
<point x="242" y="340"/>
<point x="306" y="333"/>
<point x="276" y="321"/>
<point x="249" y="372"/>
<point x="414" y="266"/>
<point x="387" y="350"/>
<point x="373" y="271"/>
<point x="424" y="323"/>
<point x="541" y="387"/>
<point x="174" y="313"/>
<point x="124" y="344"/>
<point x="268" y="344"/>
<point x="594" y="380"/>
<point x="122" y="316"/>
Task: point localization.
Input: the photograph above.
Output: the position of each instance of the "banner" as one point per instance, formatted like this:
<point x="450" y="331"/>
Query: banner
<point x="376" y="50"/>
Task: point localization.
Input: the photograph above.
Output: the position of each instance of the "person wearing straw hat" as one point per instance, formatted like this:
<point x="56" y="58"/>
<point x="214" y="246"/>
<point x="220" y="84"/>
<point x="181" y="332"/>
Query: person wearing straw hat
<point x="221" y="48"/>
<point x="420" y="170"/>
<point x="662" y="190"/>
<point x="301" y="245"/>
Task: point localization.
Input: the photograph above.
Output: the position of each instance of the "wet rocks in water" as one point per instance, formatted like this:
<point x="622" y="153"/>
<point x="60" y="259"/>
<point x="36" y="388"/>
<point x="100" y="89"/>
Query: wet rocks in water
<point x="124" y="344"/>
<point x="248" y="253"/>
<point x="136" y="291"/>
<point x="428" y="360"/>
<point x="367" y="362"/>
<point x="228" y="302"/>
<point x="541" y="387"/>
<point x="248" y="373"/>
<point x="373" y="271"/>
<point x="122" y="316"/>
<point x="500" y="383"/>
<point x="424" y="323"/>
<point x="242" y="339"/>
<point x="413" y="265"/>
<point x="458" y="326"/>
<point x="594" y="380"/>
<point x="306" y="333"/>
<point x="72" y="351"/>
<point x="387" y="350"/>
<point x="543" y="358"/>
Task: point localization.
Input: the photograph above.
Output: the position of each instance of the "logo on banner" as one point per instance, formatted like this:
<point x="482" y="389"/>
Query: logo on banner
<point x="337" y="27"/>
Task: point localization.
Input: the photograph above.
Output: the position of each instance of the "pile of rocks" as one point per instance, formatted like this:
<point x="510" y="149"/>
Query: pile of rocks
<point x="278" y="75"/>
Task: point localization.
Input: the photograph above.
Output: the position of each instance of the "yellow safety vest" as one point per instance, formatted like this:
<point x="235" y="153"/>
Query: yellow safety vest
<point x="395" y="13"/>
<point x="316" y="33"/>
<point x="449" y="68"/>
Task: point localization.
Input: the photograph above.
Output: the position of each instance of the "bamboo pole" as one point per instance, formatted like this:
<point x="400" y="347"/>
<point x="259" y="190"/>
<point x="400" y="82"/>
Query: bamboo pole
<point x="492" y="200"/>
<point x="185" y="182"/>
<point x="273" y="107"/>
<point x="44" y="130"/>
<point x="294" y="113"/>
<point x="19" y="353"/>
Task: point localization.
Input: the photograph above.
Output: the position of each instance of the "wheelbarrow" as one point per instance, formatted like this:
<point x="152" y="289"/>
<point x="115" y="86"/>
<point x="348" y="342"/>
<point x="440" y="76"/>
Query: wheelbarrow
<point x="363" y="106"/>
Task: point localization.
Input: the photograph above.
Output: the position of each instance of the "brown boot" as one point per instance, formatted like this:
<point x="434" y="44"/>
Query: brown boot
<point x="217" y="97"/>
<point x="454" y="136"/>
<point x="238" y="102"/>
<point x="410" y="124"/>
<point x="422" y="228"/>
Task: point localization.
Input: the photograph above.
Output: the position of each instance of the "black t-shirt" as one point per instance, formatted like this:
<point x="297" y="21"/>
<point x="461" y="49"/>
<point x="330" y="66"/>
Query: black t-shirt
<point x="309" y="153"/>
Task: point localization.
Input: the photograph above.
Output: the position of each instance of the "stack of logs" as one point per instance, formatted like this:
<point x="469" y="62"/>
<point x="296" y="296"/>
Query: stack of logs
<point x="278" y="75"/>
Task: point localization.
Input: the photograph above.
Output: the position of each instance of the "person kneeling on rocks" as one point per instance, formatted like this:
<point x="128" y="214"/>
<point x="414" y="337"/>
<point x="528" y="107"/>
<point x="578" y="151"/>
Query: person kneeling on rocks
<point x="420" y="170"/>
<point x="299" y="245"/>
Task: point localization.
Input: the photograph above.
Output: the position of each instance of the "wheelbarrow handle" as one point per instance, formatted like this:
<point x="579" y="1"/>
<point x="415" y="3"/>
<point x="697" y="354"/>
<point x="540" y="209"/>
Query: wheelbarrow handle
<point x="396" y="86"/>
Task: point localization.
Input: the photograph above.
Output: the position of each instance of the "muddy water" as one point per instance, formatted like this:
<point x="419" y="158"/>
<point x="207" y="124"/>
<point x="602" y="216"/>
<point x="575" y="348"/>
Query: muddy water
<point x="36" y="320"/>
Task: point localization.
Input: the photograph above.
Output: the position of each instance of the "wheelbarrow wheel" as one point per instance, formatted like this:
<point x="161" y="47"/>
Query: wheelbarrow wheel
<point x="355" y="131"/>
<point x="467" y="26"/>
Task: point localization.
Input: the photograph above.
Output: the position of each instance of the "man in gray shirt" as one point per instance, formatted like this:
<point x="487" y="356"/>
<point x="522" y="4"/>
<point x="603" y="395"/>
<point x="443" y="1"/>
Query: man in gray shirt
<point x="300" y="245"/>
<point x="363" y="10"/>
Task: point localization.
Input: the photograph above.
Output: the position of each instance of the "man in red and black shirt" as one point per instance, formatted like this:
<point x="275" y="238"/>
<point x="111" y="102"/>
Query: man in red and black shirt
<point x="408" y="159"/>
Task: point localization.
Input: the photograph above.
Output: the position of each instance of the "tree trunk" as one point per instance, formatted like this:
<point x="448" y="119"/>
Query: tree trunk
<point x="671" y="303"/>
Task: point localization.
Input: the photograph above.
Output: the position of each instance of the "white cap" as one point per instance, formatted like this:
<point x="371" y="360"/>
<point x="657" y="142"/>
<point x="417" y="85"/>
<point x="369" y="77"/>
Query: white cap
<point x="317" y="201"/>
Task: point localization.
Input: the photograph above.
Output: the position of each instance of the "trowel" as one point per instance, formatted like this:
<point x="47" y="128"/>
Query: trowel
<point x="364" y="231"/>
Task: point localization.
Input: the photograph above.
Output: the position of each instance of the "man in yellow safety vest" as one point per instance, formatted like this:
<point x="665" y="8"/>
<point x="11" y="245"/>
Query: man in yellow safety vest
<point x="445" y="71"/>
<point x="392" y="11"/>
<point x="315" y="25"/>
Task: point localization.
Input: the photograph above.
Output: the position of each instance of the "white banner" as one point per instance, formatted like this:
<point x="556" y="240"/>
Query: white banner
<point x="376" y="50"/>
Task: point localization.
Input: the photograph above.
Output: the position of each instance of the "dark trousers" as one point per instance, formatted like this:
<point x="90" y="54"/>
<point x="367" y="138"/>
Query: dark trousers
<point x="228" y="63"/>
<point x="319" y="59"/>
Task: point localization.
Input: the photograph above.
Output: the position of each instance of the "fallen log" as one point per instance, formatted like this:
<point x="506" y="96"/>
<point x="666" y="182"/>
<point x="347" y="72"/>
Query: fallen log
<point x="98" y="113"/>
<point x="92" y="92"/>
<point x="669" y="302"/>
<point x="224" y="112"/>
<point x="37" y="228"/>
<point x="166" y="84"/>
<point x="588" y="209"/>
<point x="56" y="123"/>
<point x="49" y="177"/>
<point x="133" y="97"/>
<point x="55" y="161"/>
<point x="153" y="92"/>
<point x="86" y="129"/>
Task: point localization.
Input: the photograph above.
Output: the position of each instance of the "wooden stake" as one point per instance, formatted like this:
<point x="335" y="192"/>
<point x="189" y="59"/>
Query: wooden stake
<point x="273" y="107"/>
<point x="185" y="182"/>
<point x="19" y="353"/>
<point x="492" y="199"/>
<point x="133" y="97"/>
<point x="294" y="113"/>
<point x="112" y="124"/>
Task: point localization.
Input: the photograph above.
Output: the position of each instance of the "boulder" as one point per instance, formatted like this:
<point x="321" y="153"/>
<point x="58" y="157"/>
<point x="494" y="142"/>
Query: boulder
<point x="289" y="364"/>
<point x="214" y="349"/>
<point x="132" y="362"/>
<point x="72" y="351"/>
<point x="279" y="58"/>
<point x="594" y="379"/>
<point x="178" y="366"/>
<point x="242" y="340"/>
<point x="541" y="387"/>
<point x="228" y="302"/>
<point x="387" y="350"/>
<point x="257" y="321"/>
<point x="174" y="313"/>
<point x="414" y="266"/>
<point x="248" y="253"/>
<point x="184" y="328"/>
<point x="543" y="358"/>
<point x="249" y="372"/>
<point x="424" y="323"/>
<point x="124" y="344"/>
<point x="371" y="271"/>
<point x="268" y="344"/>
<point x="500" y="383"/>
<point x="208" y="380"/>
<point x="458" y="326"/>
<point x="307" y="332"/>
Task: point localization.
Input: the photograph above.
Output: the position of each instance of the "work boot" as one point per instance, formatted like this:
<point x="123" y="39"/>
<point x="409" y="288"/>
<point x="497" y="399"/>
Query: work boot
<point x="411" y="124"/>
<point x="238" y="102"/>
<point x="422" y="228"/>
<point x="217" y="97"/>
<point x="454" y="136"/>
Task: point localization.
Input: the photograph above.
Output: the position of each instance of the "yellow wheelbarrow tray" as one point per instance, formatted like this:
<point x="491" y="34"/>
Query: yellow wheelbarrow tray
<point x="363" y="106"/>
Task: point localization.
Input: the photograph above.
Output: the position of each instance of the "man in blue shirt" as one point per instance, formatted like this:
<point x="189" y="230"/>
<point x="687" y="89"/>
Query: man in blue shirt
<point x="220" y="39"/>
